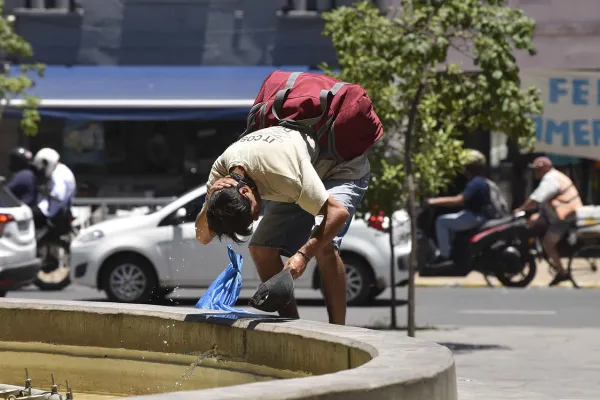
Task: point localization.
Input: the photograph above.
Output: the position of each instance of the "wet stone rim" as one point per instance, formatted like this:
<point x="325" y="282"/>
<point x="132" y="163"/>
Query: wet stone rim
<point x="399" y="367"/>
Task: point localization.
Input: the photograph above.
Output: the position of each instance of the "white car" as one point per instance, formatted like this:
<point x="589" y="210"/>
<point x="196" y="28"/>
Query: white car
<point x="19" y="264"/>
<point x="137" y="258"/>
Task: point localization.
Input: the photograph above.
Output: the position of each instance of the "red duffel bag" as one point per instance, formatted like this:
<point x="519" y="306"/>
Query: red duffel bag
<point x="339" y="115"/>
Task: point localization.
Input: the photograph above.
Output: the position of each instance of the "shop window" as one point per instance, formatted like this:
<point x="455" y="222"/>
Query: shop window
<point x="138" y="158"/>
<point x="308" y="6"/>
<point x="51" y="5"/>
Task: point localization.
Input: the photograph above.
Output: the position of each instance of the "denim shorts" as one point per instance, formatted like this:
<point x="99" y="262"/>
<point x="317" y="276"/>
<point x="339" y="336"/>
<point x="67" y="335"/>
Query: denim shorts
<point x="287" y="227"/>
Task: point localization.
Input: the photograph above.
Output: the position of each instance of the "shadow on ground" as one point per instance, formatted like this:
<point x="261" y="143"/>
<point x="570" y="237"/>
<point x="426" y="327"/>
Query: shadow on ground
<point x="462" y="348"/>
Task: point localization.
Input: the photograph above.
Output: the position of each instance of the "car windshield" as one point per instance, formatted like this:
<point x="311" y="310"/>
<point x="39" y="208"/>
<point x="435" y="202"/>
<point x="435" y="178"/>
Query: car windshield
<point x="7" y="199"/>
<point x="156" y="209"/>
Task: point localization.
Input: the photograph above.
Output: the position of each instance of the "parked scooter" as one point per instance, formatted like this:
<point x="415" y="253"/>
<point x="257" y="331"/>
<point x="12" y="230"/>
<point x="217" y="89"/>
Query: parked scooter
<point x="501" y="248"/>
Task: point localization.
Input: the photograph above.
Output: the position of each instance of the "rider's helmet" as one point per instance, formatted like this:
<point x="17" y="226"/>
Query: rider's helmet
<point x="45" y="161"/>
<point x="476" y="162"/>
<point x="19" y="158"/>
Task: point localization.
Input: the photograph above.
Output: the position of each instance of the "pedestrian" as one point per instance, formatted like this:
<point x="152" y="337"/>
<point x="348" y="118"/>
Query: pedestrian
<point x="309" y="196"/>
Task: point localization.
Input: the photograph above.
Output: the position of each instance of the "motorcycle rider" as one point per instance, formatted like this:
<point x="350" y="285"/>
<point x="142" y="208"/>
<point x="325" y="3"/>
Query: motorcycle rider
<point x="559" y="200"/>
<point x="475" y="200"/>
<point x="55" y="205"/>
<point x="23" y="182"/>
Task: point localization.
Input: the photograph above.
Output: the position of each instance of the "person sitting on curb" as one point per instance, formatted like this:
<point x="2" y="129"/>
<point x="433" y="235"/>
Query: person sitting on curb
<point x="560" y="200"/>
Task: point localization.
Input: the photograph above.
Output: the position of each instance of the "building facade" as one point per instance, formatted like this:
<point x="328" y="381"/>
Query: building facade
<point x="156" y="154"/>
<point x="111" y="44"/>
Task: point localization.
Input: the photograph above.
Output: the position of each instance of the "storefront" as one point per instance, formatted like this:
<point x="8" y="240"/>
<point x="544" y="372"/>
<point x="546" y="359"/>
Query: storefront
<point x="142" y="131"/>
<point x="568" y="132"/>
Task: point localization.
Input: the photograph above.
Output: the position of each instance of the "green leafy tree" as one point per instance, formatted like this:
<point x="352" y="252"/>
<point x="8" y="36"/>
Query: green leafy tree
<point x="425" y="101"/>
<point x="16" y="84"/>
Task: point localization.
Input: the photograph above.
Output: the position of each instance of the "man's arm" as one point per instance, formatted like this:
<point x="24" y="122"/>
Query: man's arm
<point x="548" y="188"/>
<point x="449" y="201"/>
<point x="315" y="199"/>
<point x="527" y="205"/>
<point x="335" y="216"/>
<point x="203" y="233"/>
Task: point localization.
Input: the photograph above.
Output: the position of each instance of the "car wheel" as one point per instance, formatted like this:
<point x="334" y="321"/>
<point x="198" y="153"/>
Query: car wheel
<point x="129" y="279"/>
<point x="359" y="281"/>
<point x="2" y="293"/>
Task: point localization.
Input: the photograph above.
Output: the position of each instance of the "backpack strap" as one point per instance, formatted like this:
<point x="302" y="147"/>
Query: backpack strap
<point x="250" y="122"/>
<point x="281" y="96"/>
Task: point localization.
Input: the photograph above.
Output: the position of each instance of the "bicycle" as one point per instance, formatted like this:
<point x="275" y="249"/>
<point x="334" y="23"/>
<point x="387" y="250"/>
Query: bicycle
<point x="579" y="244"/>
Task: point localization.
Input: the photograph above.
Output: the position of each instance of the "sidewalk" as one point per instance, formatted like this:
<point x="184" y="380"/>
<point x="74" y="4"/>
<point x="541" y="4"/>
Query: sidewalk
<point x="528" y="363"/>
<point x="583" y="275"/>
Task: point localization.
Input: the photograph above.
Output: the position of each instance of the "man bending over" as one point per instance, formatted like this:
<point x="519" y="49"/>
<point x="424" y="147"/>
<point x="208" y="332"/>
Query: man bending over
<point x="309" y="201"/>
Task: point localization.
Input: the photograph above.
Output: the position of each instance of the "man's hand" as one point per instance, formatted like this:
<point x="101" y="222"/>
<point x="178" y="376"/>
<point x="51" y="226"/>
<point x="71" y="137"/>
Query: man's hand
<point x="222" y="183"/>
<point x="297" y="265"/>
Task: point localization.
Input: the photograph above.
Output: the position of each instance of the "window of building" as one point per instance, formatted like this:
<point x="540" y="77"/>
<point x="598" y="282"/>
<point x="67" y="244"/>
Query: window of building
<point x="310" y="6"/>
<point x="52" y="5"/>
<point x="138" y="158"/>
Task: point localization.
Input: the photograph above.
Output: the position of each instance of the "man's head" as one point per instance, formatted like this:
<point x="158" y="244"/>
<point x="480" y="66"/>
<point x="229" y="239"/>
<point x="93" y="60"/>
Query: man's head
<point x="19" y="158"/>
<point x="45" y="161"/>
<point x="541" y="166"/>
<point x="476" y="163"/>
<point x="230" y="211"/>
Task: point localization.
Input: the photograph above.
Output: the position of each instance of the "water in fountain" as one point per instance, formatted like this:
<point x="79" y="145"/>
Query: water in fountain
<point x="190" y="370"/>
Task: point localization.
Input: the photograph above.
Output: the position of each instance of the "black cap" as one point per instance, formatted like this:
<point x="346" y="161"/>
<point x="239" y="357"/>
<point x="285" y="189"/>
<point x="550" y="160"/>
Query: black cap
<point x="274" y="294"/>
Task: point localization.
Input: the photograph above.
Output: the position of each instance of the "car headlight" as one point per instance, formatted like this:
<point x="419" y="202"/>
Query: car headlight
<point x="90" y="236"/>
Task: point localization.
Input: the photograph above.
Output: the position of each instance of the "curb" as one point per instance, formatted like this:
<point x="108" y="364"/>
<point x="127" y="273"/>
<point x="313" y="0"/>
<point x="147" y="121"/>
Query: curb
<point x="473" y="285"/>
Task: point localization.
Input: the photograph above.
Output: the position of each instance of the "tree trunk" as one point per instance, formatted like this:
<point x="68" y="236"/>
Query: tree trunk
<point x="393" y="321"/>
<point x="412" y="265"/>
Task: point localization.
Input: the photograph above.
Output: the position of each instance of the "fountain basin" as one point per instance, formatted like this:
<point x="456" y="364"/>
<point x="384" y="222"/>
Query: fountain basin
<point x="257" y="356"/>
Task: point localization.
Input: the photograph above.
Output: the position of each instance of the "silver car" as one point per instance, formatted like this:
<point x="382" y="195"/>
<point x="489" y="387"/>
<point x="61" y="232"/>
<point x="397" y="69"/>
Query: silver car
<point x="136" y="258"/>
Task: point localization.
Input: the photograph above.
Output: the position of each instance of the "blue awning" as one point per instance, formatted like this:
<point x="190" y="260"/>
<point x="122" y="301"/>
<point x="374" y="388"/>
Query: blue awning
<point x="149" y="92"/>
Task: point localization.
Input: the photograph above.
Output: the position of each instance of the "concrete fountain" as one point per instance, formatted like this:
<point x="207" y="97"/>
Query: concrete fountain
<point x="110" y="350"/>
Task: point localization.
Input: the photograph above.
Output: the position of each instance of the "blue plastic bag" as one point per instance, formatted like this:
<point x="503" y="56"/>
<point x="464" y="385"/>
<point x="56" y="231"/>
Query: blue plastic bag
<point x="225" y="290"/>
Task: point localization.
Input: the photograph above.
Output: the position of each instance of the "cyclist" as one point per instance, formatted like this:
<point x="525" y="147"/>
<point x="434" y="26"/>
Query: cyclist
<point x="559" y="200"/>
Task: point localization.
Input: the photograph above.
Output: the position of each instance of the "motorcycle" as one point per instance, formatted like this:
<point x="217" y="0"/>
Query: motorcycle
<point x="53" y="247"/>
<point x="500" y="248"/>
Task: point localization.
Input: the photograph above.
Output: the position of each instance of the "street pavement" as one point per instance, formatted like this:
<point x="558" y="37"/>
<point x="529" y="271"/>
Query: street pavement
<point x="582" y="273"/>
<point x="535" y="343"/>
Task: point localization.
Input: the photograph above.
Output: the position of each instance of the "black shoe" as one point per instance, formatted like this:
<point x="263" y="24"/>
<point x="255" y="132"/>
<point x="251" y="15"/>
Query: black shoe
<point x="440" y="261"/>
<point x="558" y="278"/>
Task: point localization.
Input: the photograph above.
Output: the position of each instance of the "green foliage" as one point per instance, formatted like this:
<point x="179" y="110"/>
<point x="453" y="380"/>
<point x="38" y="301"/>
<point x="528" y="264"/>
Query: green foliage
<point x="15" y="84"/>
<point x="392" y="57"/>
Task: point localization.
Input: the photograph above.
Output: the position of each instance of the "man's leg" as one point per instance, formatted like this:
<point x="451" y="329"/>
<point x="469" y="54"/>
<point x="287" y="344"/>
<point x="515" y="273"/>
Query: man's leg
<point x="448" y="224"/>
<point x="556" y="231"/>
<point x="283" y="229"/>
<point x="443" y="224"/>
<point x="333" y="279"/>
<point x="268" y="264"/>
<point x="331" y="267"/>
<point x="549" y="243"/>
